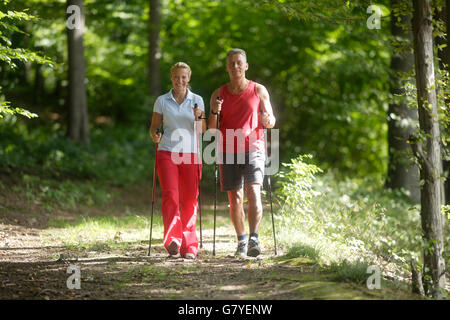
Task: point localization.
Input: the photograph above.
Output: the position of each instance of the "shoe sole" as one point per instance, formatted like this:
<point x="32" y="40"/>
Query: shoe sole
<point x="173" y="248"/>
<point x="254" y="252"/>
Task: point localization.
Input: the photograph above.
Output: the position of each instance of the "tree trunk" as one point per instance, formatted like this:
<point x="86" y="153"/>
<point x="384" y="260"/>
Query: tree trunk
<point x="428" y="149"/>
<point x="38" y="90"/>
<point x="154" y="49"/>
<point x="78" y="129"/>
<point x="402" y="173"/>
<point x="27" y="71"/>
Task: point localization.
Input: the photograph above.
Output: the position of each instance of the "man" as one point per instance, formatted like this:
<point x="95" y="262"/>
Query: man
<point x="244" y="107"/>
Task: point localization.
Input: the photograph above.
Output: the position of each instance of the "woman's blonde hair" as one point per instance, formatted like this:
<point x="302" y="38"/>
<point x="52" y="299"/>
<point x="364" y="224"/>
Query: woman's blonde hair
<point x="180" y="65"/>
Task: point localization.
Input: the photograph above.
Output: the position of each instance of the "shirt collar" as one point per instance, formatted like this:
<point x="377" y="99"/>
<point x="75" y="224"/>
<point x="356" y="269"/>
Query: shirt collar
<point x="189" y="95"/>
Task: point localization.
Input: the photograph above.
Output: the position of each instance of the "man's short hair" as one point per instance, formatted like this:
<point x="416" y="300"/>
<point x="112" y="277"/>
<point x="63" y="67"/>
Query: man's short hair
<point x="237" y="51"/>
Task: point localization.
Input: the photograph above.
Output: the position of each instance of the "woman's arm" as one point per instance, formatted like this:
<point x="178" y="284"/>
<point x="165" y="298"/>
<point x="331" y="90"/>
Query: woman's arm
<point x="200" y="116"/>
<point x="156" y="124"/>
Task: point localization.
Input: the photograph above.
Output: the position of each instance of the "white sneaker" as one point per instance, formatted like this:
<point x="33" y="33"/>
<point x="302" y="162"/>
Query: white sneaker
<point x="189" y="256"/>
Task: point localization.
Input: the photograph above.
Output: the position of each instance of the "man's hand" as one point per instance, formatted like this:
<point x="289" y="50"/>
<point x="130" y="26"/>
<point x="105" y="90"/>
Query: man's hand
<point x="267" y="120"/>
<point x="216" y="105"/>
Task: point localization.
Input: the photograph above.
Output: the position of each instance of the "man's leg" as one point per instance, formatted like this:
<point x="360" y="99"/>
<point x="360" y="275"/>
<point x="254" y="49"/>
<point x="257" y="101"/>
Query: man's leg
<point x="253" y="192"/>
<point x="236" y="198"/>
<point x="254" y="176"/>
<point x="237" y="214"/>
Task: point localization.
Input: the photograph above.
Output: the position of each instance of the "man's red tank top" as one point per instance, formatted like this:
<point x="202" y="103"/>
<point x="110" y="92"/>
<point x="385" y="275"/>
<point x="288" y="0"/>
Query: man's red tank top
<point x="240" y="112"/>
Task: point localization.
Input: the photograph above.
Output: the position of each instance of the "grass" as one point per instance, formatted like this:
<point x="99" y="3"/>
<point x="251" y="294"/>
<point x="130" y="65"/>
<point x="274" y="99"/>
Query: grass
<point x="356" y="272"/>
<point x="103" y="233"/>
<point x="301" y="250"/>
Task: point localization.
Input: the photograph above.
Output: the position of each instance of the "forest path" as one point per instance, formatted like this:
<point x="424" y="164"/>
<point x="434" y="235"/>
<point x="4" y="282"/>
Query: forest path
<point x="35" y="259"/>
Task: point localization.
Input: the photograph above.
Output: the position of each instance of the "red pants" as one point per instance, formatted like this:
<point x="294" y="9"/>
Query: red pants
<point x="179" y="188"/>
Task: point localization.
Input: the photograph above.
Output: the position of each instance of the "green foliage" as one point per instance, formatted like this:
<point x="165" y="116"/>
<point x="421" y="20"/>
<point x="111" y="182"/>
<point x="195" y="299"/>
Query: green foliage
<point x="65" y="194"/>
<point x="117" y="155"/>
<point x="351" y="220"/>
<point x="8" y="54"/>
<point x="296" y="194"/>
<point x="301" y="250"/>
<point x="326" y="104"/>
<point x="6" y="109"/>
<point x="446" y="211"/>
<point x="353" y="272"/>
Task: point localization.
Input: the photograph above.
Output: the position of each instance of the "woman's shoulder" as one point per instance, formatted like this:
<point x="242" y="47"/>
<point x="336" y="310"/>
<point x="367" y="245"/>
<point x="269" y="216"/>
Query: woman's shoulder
<point x="197" y="97"/>
<point x="160" y="99"/>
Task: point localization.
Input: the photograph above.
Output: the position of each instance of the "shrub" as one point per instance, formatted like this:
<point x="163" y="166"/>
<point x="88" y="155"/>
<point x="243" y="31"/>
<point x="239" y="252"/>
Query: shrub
<point x="348" y="221"/>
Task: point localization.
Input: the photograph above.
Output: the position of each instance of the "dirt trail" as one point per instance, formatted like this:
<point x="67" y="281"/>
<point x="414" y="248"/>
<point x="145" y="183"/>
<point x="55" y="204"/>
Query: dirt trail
<point x="30" y="268"/>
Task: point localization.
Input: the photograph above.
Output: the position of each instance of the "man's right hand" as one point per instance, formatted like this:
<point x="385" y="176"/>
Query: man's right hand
<point x="216" y="105"/>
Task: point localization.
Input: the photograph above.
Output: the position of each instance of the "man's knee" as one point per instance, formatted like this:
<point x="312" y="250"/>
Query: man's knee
<point x="236" y="198"/>
<point x="253" y="192"/>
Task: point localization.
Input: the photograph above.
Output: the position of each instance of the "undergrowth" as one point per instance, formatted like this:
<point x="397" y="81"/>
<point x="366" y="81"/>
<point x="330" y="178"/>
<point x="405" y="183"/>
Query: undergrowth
<point x="348" y="225"/>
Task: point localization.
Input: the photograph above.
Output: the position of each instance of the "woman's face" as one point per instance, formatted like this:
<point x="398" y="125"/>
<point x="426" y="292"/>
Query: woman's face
<point x="180" y="79"/>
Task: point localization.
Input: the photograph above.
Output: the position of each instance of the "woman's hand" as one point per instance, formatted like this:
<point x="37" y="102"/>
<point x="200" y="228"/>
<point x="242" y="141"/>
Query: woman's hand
<point x="156" y="136"/>
<point x="198" y="113"/>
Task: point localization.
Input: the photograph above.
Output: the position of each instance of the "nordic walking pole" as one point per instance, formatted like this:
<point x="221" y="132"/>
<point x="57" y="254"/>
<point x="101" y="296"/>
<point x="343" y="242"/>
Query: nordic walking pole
<point x="153" y="196"/>
<point x="199" y="190"/>
<point x="271" y="211"/>
<point x="269" y="190"/>
<point x="215" y="180"/>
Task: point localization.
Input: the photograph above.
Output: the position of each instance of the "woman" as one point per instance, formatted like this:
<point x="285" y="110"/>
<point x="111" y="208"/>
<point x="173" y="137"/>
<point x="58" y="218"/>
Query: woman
<point x="181" y="112"/>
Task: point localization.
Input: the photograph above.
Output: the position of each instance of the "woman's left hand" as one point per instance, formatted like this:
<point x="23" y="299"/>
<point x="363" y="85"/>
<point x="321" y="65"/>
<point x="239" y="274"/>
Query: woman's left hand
<point x="197" y="113"/>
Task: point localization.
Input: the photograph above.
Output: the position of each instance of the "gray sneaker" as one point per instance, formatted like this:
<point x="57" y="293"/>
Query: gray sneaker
<point x="253" y="248"/>
<point x="241" y="249"/>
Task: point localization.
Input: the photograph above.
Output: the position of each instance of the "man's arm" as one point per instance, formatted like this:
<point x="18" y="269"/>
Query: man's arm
<point x="215" y="107"/>
<point x="267" y="118"/>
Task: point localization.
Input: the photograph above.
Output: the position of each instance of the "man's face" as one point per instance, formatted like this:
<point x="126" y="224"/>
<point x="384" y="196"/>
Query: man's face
<point x="236" y="65"/>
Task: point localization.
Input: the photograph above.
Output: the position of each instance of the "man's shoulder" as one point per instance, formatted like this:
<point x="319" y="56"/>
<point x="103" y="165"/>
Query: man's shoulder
<point x="259" y="86"/>
<point x="217" y="91"/>
<point x="261" y="89"/>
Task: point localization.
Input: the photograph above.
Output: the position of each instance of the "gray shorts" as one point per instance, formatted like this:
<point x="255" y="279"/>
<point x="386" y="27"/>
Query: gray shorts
<point x="244" y="168"/>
